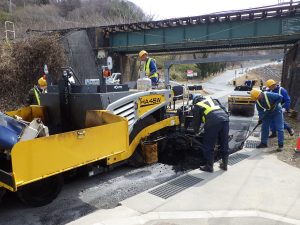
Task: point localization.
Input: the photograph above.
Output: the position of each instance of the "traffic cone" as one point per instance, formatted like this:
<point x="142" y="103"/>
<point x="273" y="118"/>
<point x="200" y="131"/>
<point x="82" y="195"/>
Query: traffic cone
<point x="297" y="149"/>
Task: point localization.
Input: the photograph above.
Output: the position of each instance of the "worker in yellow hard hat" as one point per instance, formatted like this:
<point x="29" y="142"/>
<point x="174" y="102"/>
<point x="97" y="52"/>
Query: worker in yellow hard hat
<point x="33" y="97"/>
<point x="216" y="128"/>
<point x="149" y="67"/>
<point x="269" y="109"/>
<point x="286" y="102"/>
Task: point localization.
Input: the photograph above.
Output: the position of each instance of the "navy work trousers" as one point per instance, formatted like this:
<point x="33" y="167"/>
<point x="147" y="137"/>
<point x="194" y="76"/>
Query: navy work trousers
<point x="273" y="126"/>
<point x="212" y="134"/>
<point x="277" y="118"/>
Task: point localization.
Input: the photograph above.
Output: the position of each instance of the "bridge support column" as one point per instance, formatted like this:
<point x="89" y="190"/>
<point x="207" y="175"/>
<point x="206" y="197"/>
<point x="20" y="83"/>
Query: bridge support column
<point x="128" y="68"/>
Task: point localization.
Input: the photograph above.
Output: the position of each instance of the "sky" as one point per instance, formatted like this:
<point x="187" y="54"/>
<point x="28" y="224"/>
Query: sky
<point x="166" y="9"/>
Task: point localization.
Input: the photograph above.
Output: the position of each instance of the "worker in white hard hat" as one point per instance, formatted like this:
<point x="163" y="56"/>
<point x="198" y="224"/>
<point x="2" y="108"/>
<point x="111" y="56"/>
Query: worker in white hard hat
<point x="33" y="97"/>
<point x="149" y="67"/>
<point x="286" y="102"/>
<point x="269" y="109"/>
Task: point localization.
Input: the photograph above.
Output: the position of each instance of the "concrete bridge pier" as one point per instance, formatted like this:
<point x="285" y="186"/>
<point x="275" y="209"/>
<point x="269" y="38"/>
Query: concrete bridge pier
<point x="126" y="65"/>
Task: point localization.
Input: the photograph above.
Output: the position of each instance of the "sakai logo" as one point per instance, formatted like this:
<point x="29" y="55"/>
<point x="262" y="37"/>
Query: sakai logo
<point x="118" y="87"/>
<point x="147" y="101"/>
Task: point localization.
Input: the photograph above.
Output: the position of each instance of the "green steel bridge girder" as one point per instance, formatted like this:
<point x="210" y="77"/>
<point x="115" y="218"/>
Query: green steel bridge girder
<point x="267" y="31"/>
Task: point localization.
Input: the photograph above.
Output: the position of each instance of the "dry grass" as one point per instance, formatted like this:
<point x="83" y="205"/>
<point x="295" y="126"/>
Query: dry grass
<point x="288" y="155"/>
<point x="22" y="64"/>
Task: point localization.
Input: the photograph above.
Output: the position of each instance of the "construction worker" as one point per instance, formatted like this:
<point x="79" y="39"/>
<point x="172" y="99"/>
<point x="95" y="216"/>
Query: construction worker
<point x="33" y="97"/>
<point x="248" y="83"/>
<point x="149" y="67"/>
<point x="216" y="128"/>
<point x="286" y="101"/>
<point x="269" y="109"/>
<point x="261" y="86"/>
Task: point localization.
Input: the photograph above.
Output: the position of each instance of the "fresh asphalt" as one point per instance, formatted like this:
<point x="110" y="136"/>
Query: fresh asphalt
<point x="104" y="191"/>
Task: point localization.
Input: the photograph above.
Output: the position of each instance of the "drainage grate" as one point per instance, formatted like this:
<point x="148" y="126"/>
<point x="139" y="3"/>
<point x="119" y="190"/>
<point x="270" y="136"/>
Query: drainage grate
<point x="251" y="144"/>
<point x="256" y="134"/>
<point x="236" y="158"/>
<point x="176" y="186"/>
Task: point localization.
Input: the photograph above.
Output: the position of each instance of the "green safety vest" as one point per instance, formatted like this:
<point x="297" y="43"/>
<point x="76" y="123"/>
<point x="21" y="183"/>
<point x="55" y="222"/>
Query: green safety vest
<point x="279" y="92"/>
<point x="208" y="105"/>
<point x="267" y="101"/>
<point x="147" y="69"/>
<point x="37" y="95"/>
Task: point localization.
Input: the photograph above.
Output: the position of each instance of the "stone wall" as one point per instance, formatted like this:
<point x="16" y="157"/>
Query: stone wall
<point x="291" y="75"/>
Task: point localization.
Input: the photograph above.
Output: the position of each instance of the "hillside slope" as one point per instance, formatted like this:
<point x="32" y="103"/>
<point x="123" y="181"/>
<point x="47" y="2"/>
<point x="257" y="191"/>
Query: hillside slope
<point x="53" y="14"/>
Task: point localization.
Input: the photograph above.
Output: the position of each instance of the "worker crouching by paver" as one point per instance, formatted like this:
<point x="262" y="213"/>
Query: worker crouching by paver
<point x="286" y="101"/>
<point x="216" y="128"/>
<point x="33" y="97"/>
<point x="269" y="109"/>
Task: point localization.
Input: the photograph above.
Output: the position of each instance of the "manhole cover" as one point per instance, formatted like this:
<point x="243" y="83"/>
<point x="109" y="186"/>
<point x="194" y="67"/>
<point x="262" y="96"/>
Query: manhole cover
<point x="172" y="188"/>
<point x="233" y="159"/>
<point x="251" y="144"/>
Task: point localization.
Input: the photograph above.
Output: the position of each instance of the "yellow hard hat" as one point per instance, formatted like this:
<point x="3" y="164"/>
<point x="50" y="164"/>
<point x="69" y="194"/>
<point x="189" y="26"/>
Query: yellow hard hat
<point x="141" y="53"/>
<point x="42" y="82"/>
<point x="254" y="93"/>
<point x="270" y="82"/>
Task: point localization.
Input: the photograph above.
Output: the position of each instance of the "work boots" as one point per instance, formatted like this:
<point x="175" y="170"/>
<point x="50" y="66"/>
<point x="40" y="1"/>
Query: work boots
<point x="273" y="135"/>
<point x="208" y="167"/>
<point x="262" y="145"/>
<point x="280" y="148"/>
<point x="224" y="163"/>
<point x="291" y="131"/>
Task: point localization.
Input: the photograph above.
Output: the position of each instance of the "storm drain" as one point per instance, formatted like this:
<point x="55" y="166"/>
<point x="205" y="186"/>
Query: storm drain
<point x="251" y="144"/>
<point x="236" y="158"/>
<point x="256" y="134"/>
<point x="176" y="186"/>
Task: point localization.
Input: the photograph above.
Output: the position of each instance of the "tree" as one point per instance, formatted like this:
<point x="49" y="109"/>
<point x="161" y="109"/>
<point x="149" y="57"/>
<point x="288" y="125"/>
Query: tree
<point x="206" y="69"/>
<point x="66" y="6"/>
<point x="42" y="2"/>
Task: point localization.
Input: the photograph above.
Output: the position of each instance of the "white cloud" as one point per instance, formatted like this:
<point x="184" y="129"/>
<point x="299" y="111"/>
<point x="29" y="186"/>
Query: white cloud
<point x="165" y="9"/>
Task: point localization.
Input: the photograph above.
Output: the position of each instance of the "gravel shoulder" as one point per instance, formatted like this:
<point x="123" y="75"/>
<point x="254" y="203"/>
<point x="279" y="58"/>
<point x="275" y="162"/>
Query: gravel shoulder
<point x="289" y="156"/>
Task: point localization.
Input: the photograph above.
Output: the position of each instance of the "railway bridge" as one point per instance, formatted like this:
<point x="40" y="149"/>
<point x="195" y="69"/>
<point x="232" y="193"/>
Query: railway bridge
<point x="268" y="27"/>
